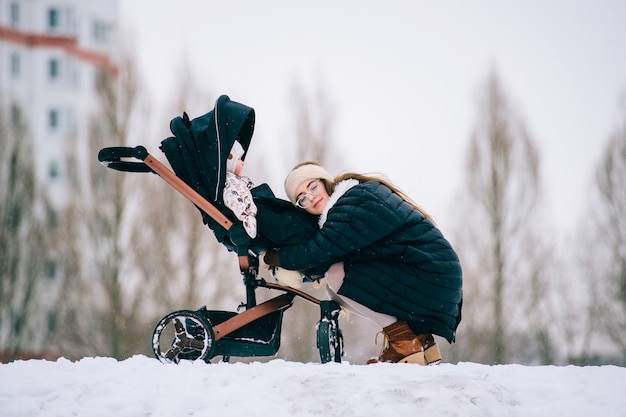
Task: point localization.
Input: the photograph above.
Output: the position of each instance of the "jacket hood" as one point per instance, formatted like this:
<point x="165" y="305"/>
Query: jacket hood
<point x="340" y="189"/>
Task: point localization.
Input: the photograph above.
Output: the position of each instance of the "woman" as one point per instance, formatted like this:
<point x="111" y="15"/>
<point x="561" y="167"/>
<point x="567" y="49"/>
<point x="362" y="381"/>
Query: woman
<point x="384" y="258"/>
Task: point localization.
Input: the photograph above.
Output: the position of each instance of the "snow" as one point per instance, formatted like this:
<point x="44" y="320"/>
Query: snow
<point x="142" y="386"/>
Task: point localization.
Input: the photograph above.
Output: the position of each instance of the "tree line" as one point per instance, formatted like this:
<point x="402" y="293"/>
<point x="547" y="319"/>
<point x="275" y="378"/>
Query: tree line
<point x="93" y="277"/>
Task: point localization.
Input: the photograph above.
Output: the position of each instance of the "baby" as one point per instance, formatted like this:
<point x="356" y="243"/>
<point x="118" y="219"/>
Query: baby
<point x="237" y="196"/>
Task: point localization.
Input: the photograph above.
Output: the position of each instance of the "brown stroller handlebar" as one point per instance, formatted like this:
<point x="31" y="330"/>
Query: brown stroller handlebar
<point x="188" y="192"/>
<point x="112" y="158"/>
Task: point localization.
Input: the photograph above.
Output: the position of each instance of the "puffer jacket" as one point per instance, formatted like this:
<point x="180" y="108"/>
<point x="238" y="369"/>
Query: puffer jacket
<point x="396" y="261"/>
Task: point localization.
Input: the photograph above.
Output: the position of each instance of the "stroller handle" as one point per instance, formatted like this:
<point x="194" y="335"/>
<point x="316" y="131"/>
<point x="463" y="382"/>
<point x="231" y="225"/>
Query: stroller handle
<point x="112" y="158"/>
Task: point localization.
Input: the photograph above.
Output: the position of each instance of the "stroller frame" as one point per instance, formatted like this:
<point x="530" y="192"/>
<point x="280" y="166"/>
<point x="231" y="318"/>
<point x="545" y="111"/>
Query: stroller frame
<point x="204" y="334"/>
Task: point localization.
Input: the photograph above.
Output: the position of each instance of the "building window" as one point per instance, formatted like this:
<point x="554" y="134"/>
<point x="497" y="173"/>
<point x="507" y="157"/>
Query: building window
<point x="53" y="19"/>
<point x="53" y="171"/>
<point x="16" y="117"/>
<point x="15" y="14"/>
<point x="51" y="269"/>
<point x="53" y="69"/>
<point x="53" y="119"/>
<point x="52" y="321"/>
<point x="69" y="119"/>
<point x="69" y="20"/>
<point x="71" y="72"/>
<point x="100" y="31"/>
<point x="15" y="65"/>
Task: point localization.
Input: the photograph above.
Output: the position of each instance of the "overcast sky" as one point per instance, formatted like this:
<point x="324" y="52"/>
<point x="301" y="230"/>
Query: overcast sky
<point x="403" y="78"/>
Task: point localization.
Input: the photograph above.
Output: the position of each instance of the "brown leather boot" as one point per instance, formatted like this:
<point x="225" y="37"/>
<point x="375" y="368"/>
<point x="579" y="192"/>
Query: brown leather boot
<point x="432" y="355"/>
<point x="401" y="345"/>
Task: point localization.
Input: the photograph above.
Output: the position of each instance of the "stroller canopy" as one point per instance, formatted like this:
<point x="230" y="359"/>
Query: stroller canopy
<point x="198" y="153"/>
<point x="199" y="149"/>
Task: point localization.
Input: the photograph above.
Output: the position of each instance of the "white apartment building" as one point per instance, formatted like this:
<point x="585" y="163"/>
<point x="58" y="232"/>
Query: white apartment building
<point x="50" y="54"/>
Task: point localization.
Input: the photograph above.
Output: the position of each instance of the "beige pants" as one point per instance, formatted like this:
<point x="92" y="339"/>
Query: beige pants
<point x="334" y="279"/>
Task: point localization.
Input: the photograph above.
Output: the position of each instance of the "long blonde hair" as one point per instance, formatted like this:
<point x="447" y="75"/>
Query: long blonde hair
<point x="330" y="188"/>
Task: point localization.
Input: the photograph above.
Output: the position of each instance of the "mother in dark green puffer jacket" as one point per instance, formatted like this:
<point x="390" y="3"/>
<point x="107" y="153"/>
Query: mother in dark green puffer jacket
<point x="385" y="259"/>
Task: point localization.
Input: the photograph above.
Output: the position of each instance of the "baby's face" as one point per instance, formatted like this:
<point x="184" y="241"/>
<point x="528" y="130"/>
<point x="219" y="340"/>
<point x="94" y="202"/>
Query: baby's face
<point x="238" y="167"/>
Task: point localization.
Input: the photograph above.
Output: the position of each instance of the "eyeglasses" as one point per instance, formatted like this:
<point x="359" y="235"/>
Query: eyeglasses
<point x="314" y="189"/>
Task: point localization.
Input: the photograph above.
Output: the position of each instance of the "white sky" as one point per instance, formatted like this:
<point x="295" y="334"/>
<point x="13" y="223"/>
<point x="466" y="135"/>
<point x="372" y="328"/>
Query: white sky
<point x="403" y="78"/>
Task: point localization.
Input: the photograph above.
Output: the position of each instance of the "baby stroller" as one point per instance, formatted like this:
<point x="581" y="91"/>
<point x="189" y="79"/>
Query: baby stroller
<point x="197" y="153"/>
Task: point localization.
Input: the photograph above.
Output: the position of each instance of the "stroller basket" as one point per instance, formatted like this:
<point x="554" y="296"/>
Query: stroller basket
<point x="259" y="338"/>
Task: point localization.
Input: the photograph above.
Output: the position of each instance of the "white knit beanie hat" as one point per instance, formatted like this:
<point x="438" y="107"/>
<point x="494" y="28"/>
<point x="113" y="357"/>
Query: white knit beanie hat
<point x="236" y="152"/>
<point x="304" y="172"/>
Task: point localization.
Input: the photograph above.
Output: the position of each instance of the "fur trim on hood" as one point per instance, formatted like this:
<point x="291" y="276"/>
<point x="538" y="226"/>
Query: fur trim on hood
<point x="340" y="189"/>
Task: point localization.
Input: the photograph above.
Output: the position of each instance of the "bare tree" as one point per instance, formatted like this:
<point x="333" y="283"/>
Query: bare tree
<point x="100" y="313"/>
<point x="313" y="120"/>
<point x="500" y="244"/>
<point x="25" y="217"/>
<point x="604" y="251"/>
<point x="74" y="313"/>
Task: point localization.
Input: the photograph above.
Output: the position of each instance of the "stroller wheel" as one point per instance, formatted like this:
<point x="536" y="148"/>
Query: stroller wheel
<point x="183" y="335"/>
<point x="329" y="341"/>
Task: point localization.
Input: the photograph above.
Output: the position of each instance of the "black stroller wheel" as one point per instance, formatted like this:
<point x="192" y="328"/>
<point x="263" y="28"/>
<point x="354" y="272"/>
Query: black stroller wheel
<point x="329" y="341"/>
<point x="183" y="335"/>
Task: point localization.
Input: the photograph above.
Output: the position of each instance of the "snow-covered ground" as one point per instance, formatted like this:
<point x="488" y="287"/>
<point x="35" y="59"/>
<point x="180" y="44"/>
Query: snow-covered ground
<point x="142" y="386"/>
